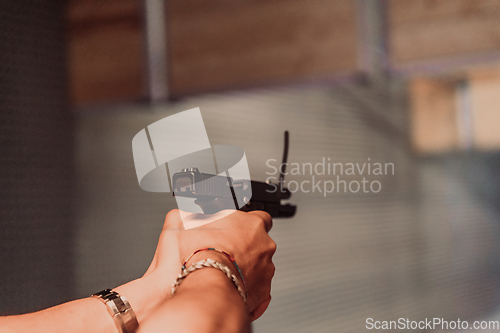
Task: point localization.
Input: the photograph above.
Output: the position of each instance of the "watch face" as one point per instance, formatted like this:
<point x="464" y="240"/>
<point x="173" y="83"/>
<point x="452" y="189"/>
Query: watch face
<point x="104" y="293"/>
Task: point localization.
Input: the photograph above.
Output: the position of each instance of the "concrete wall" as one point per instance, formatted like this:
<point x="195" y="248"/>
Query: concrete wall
<point x="36" y="160"/>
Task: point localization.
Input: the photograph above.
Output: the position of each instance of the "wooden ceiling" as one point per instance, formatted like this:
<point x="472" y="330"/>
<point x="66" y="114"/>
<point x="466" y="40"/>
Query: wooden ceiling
<point x="212" y="46"/>
<point x="222" y="45"/>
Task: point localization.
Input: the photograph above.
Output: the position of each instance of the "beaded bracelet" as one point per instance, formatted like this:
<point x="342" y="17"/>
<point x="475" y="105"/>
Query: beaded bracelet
<point x="209" y="263"/>
<point x="224" y="253"/>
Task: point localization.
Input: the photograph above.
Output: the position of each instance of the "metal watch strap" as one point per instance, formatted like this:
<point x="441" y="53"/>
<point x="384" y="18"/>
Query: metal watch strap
<point x="119" y="308"/>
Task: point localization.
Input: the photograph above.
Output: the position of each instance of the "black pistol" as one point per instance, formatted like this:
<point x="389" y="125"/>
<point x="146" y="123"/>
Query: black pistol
<point x="212" y="196"/>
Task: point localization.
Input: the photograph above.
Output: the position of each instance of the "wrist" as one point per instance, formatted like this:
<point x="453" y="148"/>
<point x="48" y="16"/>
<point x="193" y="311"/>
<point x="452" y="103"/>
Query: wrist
<point x="207" y="296"/>
<point x="223" y="258"/>
<point x="145" y="294"/>
<point x="218" y="301"/>
<point x="207" y="279"/>
<point x="211" y="255"/>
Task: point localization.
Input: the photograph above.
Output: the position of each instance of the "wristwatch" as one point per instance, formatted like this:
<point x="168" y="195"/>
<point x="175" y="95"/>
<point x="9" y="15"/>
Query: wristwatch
<point x="119" y="308"/>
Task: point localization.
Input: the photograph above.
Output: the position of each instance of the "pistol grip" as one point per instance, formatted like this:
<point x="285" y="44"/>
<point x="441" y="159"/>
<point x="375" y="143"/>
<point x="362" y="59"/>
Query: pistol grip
<point x="212" y="206"/>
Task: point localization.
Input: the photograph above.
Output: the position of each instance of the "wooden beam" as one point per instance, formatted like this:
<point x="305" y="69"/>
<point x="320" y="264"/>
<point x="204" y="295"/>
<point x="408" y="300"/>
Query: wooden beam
<point x="423" y="30"/>
<point x="433" y="115"/>
<point x="485" y="101"/>
<point x="219" y="44"/>
<point x="106" y="50"/>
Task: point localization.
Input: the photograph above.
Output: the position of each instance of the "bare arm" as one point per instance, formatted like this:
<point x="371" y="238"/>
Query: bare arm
<point x="89" y="314"/>
<point x="206" y="301"/>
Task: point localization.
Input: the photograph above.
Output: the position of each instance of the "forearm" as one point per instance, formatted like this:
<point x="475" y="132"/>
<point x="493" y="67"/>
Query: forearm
<point x="73" y="316"/>
<point x="206" y="302"/>
<point x="88" y="314"/>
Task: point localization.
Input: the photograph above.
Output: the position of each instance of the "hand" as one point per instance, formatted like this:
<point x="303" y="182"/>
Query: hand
<point x="243" y="235"/>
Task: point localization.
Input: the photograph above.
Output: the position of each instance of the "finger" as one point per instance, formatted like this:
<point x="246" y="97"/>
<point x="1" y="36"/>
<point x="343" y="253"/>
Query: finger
<point x="268" y="221"/>
<point x="260" y="309"/>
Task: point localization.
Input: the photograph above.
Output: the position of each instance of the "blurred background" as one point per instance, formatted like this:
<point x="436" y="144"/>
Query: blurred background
<point x="415" y="83"/>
